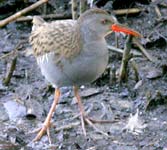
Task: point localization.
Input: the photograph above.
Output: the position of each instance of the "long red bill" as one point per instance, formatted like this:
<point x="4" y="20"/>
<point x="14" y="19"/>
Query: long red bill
<point x="121" y="28"/>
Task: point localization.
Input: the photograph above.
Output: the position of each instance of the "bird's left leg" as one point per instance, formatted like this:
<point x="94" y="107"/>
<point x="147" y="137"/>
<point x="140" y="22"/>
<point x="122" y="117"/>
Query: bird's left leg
<point x="46" y="124"/>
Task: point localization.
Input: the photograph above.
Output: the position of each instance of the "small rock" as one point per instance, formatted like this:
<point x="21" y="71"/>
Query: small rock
<point x="14" y="110"/>
<point x="153" y="74"/>
<point x="2" y="87"/>
<point x="124" y="94"/>
<point x="90" y="92"/>
<point x="156" y="99"/>
<point x="4" y="145"/>
<point x="3" y="114"/>
<point x="138" y="84"/>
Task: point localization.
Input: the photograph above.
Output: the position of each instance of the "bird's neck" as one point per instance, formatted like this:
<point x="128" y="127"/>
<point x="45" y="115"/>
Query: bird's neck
<point x="88" y="35"/>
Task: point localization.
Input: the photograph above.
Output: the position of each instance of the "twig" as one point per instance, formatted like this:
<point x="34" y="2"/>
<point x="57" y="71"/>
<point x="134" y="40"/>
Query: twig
<point x="113" y="76"/>
<point x="69" y="126"/>
<point x="135" y="68"/>
<point x="49" y="16"/>
<point x="161" y="35"/>
<point x="8" y="54"/>
<point x="157" y="9"/>
<point x="127" y="11"/>
<point x="12" y="67"/>
<point x="143" y="50"/>
<point x="118" y="50"/>
<point x="164" y="4"/>
<point x="74" y="9"/>
<point x="83" y="6"/>
<point x="96" y="129"/>
<point x="65" y="15"/>
<point x="45" y="8"/>
<point x="22" y="12"/>
<point x="13" y="52"/>
<point x="102" y="121"/>
<point x="10" y="72"/>
<point x="126" y="57"/>
<point x="116" y="41"/>
<point x="155" y="28"/>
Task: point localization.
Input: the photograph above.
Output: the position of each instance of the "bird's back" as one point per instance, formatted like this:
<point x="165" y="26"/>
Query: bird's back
<point x="60" y="37"/>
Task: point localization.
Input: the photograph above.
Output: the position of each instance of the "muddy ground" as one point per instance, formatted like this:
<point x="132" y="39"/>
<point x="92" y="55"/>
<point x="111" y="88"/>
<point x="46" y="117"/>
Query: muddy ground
<point x="24" y="103"/>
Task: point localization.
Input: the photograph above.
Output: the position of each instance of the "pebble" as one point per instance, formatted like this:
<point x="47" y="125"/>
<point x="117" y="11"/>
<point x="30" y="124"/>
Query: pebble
<point x="14" y="110"/>
<point x="3" y="114"/>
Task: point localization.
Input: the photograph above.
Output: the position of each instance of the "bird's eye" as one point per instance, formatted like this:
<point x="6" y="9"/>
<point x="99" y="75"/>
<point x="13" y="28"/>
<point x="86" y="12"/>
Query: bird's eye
<point x="104" y="21"/>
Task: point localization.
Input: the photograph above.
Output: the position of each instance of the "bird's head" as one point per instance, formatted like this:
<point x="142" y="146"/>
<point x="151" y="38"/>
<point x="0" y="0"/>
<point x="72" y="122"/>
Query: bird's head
<point x="99" y="21"/>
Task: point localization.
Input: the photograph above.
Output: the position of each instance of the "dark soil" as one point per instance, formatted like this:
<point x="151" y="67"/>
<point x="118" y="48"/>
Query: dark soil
<point x="25" y="102"/>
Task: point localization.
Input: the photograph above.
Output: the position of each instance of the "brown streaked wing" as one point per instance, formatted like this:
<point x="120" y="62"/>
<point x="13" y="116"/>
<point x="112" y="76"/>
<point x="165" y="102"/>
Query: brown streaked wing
<point x="60" y="37"/>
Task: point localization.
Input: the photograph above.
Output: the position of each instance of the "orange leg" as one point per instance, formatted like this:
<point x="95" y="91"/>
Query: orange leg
<point x="81" y="109"/>
<point x="46" y="124"/>
<point x="87" y="119"/>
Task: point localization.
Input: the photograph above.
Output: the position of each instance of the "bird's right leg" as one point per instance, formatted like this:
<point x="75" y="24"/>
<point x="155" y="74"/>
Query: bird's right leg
<point x="85" y="118"/>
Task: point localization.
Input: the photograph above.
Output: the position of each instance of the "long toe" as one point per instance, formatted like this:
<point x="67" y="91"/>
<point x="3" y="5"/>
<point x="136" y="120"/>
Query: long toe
<point x="42" y="131"/>
<point x="91" y="123"/>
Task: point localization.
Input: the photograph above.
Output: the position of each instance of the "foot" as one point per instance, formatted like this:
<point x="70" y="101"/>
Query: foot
<point x="91" y="122"/>
<point x="42" y="131"/>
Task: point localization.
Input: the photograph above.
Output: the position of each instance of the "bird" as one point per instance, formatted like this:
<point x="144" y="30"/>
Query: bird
<point x="73" y="53"/>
